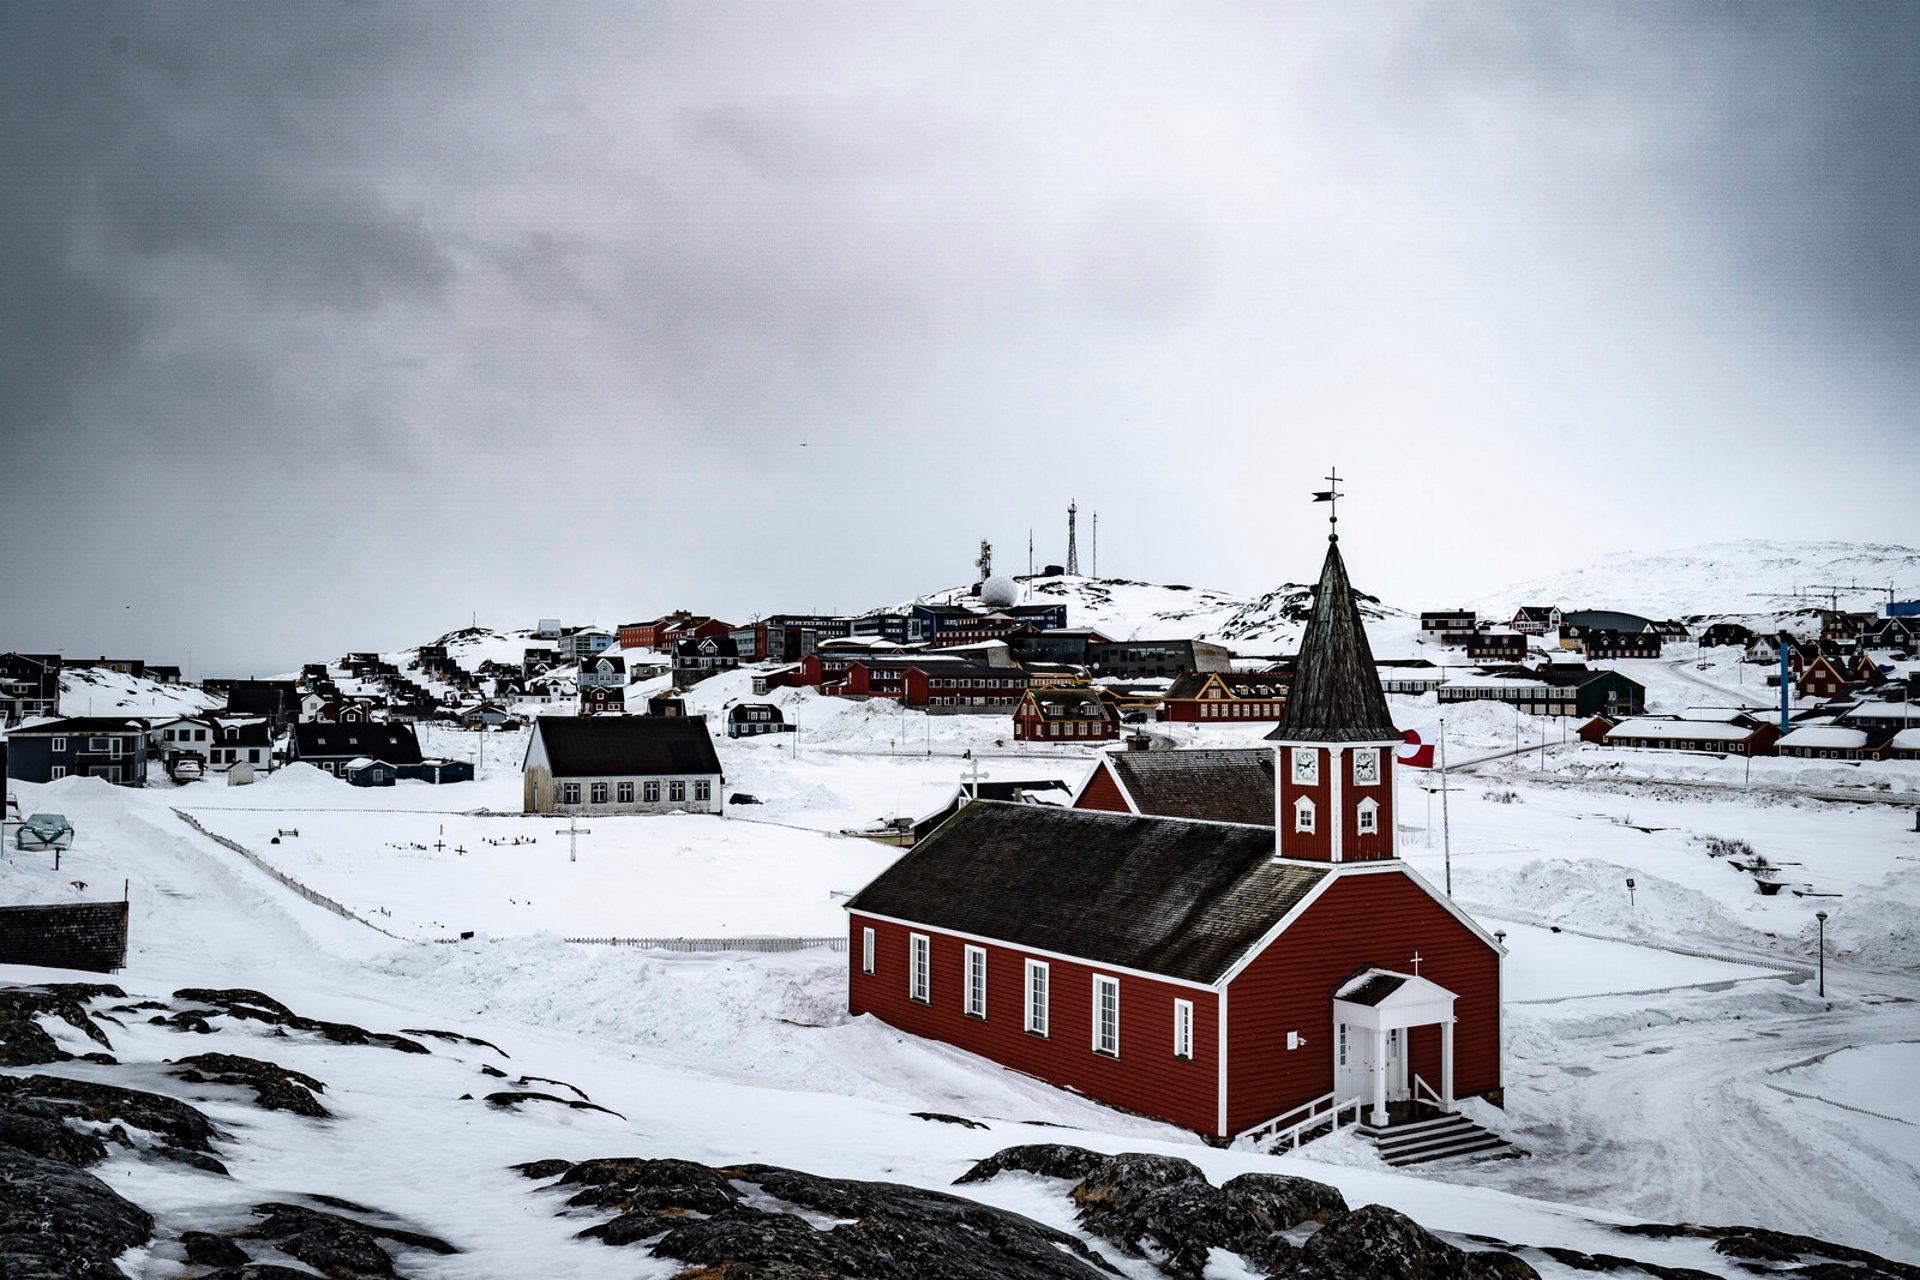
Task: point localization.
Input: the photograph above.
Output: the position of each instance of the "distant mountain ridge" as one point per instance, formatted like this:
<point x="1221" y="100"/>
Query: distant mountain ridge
<point x="1753" y="576"/>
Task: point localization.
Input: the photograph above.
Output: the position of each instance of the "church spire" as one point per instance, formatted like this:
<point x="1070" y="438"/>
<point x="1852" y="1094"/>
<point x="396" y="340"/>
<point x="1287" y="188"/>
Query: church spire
<point x="1335" y="694"/>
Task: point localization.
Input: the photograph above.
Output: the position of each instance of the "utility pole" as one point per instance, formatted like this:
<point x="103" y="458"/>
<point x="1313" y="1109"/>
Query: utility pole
<point x="1096" y="544"/>
<point x="1821" y="916"/>
<point x="1446" y="827"/>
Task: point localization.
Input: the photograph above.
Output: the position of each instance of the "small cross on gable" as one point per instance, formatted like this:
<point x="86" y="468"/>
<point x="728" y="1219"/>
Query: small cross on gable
<point x="1416" y="964"/>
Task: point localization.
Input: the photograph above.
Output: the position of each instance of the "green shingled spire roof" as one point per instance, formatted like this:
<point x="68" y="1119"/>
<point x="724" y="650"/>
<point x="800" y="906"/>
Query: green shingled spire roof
<point x="1335" y="695"/>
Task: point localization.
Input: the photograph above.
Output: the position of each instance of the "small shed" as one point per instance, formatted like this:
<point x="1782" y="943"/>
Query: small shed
<point x="365" y="772"/>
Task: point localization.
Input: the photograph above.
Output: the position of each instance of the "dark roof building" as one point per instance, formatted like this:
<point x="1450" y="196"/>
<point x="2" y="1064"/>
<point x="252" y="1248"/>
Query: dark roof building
<point x="333" y="746"/>
<point x="1210" y="785"/>
<point x="621" y="764"/>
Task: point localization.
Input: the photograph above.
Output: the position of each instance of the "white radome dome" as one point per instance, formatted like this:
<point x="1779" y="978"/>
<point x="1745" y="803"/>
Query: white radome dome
<point x="999" y="591"/>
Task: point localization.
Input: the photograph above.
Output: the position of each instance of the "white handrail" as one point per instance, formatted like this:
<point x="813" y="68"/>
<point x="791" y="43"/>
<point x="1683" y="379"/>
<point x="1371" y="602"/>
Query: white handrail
<point x="1290" y="1134"/>
<point x="1422" y="1087"/>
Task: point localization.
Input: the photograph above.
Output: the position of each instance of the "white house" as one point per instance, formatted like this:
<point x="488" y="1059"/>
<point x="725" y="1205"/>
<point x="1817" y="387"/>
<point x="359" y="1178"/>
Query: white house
<point x="621" y="764"/>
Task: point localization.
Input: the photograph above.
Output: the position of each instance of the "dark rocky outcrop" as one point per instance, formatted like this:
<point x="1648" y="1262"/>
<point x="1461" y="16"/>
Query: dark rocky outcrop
<point x="45" y="1097"/>
<point x="25" y="1043"/>
<point x="1163" y="1207"/>
<point x="337" y="1245"/>
<point x="242" y="1002"/>
<point x="1766" y="1245"/>
<point x="702" y="1216"/>
<point x="456" y="1038"/>
<point x="505" y="1100"/>
<point x="58" y="1222"/>
<point x="258" y="1271"/>
<point x="206" y="1249"/>
<point x="1280" y="1203"/>
<point x="1378" y="1243"/>
<point x="541" y="1170"/>
<point x="1047" y="1159"/>
<point x="275" y="1088"/>
<point x="942" y="1117"/>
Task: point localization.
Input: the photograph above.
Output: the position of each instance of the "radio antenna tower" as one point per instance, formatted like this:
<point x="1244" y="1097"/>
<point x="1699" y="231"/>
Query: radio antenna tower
<point x="1096" y="544"/>
<point x="1073" y="550"/>
<point x="985" y="563"/>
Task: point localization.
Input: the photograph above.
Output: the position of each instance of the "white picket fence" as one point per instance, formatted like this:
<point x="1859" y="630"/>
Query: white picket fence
<point x="719" y="944"/>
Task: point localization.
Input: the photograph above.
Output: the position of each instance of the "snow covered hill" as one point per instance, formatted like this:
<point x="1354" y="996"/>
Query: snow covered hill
<point x="97" y="691"/>
<point x="1750" y="577"/>
<point x="1129" y="610"/>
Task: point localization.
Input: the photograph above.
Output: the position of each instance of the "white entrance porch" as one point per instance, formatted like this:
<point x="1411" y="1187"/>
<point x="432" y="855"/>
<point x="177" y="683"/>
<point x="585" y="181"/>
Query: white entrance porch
<point x="1373" y="1016"/>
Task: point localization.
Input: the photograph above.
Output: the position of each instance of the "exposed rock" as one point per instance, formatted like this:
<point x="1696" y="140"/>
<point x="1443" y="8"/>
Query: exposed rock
<point x="258" y="1271"/>
<point x="488" y="1069"/>
<point x="275" y="1088"/>
<point x="1163" y="1207"/>
<point x="180" y="1124"/>
<point x="40" y="1129"/>
<point x="943" y="1118"/>
<point x="184" y="1020"/>
<point x="198" y="1159"/>
<point x="515" y="1099"/>
<point x="335" y="1244"/>
<point x="541" y="1170"/>
<point x="242" y="1002"/>
<point x="209" y="1250"/>
<point x="1281" y="1203"/>
<point x="1378" y="1243"/>
<point x="24" y="1042"/>
<point x="649" y="1186"/>
<point x="1047" y="1159"/>
<point x="456" y="1037"/>
<point x="62" y="1223"/>
<point x="524" y="1081"/>
<point x="700" y="1216"/>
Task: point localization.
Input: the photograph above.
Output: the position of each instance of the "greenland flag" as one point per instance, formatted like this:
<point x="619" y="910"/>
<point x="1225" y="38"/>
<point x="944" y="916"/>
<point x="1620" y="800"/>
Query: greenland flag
<point x="1417" y="751"/>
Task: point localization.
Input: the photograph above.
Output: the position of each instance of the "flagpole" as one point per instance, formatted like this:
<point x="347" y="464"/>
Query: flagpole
<point x="1446" y="828"/>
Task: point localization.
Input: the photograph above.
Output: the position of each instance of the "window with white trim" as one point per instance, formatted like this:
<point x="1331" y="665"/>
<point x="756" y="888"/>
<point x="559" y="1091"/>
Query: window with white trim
<point x="1183" y="1029"/>
<point x="1106" y="1015"/>
<point x="1303" y="815"/>
<point x="59" y="772"/>
<point x="919" y="965"/>
<point x="1369" y="814"/>
<point x="1306" y="766"/>
<point x="1340" y="1046"/>
<point x="866" y="950"/>
<point x="59" y="744"/>
<point x="1037" y="980"/>
<point x="976" y="982"/>
<point x="569" y="793"/>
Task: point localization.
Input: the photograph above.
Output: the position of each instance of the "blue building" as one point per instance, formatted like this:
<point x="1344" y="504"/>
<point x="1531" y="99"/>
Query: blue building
<point x="81" y="746"/>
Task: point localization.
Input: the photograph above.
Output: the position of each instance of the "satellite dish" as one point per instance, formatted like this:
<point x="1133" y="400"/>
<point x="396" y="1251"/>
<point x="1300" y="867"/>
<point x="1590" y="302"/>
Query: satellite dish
<point x="999" y="591"/>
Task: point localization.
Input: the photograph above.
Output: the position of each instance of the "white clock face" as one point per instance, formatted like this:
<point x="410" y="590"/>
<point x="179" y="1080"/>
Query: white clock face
<point x="1306" y="766"/>
<point x="1366" y="766"/>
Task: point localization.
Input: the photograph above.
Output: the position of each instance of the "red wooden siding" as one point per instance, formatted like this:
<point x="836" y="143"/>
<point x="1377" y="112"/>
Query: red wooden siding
<point x="1317" y="845"/>
<point x="1361" y="920"/>
<point x="1146" y="1077"/>
<point x="1102" y="792"/>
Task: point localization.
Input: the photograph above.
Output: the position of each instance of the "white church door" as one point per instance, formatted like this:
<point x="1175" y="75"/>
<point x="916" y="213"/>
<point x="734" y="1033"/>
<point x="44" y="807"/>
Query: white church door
<point x="1354" y="1063"/>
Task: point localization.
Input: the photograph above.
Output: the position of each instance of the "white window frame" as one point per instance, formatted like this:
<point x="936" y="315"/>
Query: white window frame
<point x="59" y="771"/>
<point x="1304" y="819"/>
<point x="569" y="793"/>
<point x="677" y="791"/>
<point x="1340" y="1045"/>
<point x="866" y="949"/>
<point x="59" y="744"/>
<point x="1183" y="1029"/>
<point x="1039" y="988"/>
<point x="919" y="968"/>
<point x="1106" y="1040"/>
<point x="976" y="984"/>
<point x="1306" y="766"/>
<point x="1368" y="817"/>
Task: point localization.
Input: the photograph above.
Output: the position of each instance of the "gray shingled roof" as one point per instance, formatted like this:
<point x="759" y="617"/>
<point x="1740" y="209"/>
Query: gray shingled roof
<point x="1212" y="786"/>
<point x="1335" y="695"/>
<point x="1374" y="987"/>
<point x="1180" y="899"/>
<point x="626" y="746"/>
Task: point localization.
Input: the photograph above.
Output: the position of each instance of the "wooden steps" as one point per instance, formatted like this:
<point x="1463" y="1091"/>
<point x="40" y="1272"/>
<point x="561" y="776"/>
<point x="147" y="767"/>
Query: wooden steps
<point x="1442" y="1137"/>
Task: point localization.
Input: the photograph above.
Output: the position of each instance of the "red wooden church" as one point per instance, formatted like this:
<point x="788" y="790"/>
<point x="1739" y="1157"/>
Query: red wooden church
<point x="1219" y="975"/>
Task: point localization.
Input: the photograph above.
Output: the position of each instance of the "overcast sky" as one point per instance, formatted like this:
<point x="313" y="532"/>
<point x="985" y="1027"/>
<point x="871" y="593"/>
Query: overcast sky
<point x="326" y="326"/>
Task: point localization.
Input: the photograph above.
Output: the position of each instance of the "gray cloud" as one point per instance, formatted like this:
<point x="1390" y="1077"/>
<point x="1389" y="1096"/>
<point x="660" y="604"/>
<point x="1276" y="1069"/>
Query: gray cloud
<point x="345" y="320"/>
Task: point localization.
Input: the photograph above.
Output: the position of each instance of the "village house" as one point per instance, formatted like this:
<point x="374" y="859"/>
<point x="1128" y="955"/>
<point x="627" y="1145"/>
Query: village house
<point x="1207" y="784"/>
<point x="700" y="658"/>
<point x="1220" y="697"/>
<point x="1823" y="677"/>
<point x="751" y="719"/>
<point x="1725" y="633"/>
<point x="1829" y="741"/>
<point x="276" y="701"/>
<point x="1733" y="733"/>
<point x="940" y="686"/>
<point x="1072" y="645"/>
<point x="29" y="686"/>
<point x="1496" y="646"/>
<point x="579" y="644"/>
<point x="1231" y="979"/>
<point x="603" y="685"/>
<point x="335" y="746"/>
<point x="1549" y="689"/>
<point x="1064" y="714"/>
<point x="113" y="748"/>
<point x="1536" y="619"/>
<point x="1444" y="620"/>
<point x="215" y="741"/>
<point x="1597" y="643"/>
<point x="621" y="764"/>
<point x="1412" y="676"/>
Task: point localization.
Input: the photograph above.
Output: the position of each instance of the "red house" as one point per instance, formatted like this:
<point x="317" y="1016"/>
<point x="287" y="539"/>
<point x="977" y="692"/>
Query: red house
<point x="1822" y="678"/>
<point x="1227" y="977"/>
<point x="1065" y="714"/>
<point x="1213" y="697"/>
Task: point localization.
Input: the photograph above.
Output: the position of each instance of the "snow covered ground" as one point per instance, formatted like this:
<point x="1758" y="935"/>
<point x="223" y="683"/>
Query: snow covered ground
<point x="1651" y="1073"/>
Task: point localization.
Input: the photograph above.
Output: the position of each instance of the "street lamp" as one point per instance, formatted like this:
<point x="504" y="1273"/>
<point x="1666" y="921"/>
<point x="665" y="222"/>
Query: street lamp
<point x="1821" y="916"/>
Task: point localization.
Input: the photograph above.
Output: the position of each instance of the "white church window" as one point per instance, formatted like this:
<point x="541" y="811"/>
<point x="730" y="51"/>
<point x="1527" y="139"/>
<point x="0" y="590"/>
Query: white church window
<point x="1037" y="997"/>
<point x="1106" y="1015"/>
<point x="1306" y="766"/>
<point x="1369" y="816"/>
<point x="976" y="982"/>
<point x="919" y="960"/>
<point x="1183" y="1028"/>
<point x="1303" y="815"/>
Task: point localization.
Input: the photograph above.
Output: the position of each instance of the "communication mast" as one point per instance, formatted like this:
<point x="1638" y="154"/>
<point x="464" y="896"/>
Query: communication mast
<point x="985" y="563"/>
<point x="1096" y="544"/>
<point x="1073" y="550"/>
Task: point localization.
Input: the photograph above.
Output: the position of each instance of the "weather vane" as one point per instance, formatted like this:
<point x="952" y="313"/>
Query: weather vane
<point x="1331" y="496"/>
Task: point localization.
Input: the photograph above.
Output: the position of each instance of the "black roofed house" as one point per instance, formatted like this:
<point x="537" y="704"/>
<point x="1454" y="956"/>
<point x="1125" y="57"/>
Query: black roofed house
<point x="276" y="700"/>
<point x="603" y="685"/>
<point x="621" y="764"/>
<point x="1496" y="646"/>
<point x="1606" y="643"/>
<point x="1724" y="633"/>
<point x="110" y="747"/>
<point x="1447" y="619"/>
<point x="1237" y="979"/>
<point x="29" y="686"/>
<point x="334" y="746"/>
<point x="1217" y="697"/>
<point x="1209" y="784"/>
<point x="751" y="719"/>
<point x="1536" y="619"/>
<point x="698" y="657"/>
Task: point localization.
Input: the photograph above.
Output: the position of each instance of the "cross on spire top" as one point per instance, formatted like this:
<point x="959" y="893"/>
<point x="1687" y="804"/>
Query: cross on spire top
<point x="1331" y="496"/>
